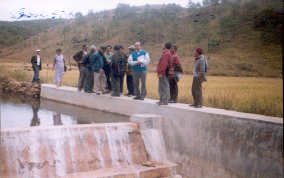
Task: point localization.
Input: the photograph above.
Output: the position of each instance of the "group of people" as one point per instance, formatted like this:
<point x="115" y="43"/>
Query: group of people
<point x="104" y="71"/>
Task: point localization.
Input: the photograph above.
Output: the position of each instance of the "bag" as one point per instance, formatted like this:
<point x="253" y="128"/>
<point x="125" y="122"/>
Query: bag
<point x="177" y="76"/>
<point x="170" y="72"/>
<point x="65" y="68"/>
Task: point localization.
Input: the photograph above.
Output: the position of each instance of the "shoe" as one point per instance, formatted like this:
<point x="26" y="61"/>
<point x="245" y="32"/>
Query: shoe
<point x="57" y="86"/>
<point x="141" y="98"/>
<point x="198" y="106"/>
<point x="136" y="98"/>
<point x="171" y="101"/>
<point x="107" y="91"/>
<point x="89" y="91"/>
<point x="79" y="89"/>
<point x="99" y="93"/>
<point x="115" y="95"/>
<point x="192" y="104"/>
<point x="162" y="103"/>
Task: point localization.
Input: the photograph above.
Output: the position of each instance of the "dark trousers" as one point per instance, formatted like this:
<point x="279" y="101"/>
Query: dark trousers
<point x="108" y="76"/>
<point x="197" y="91"/>
<point x="130" y="87"/>
<point x="82" y="77"/>
<point x="136" y="77"/>
<point x="117" y="84"/>
<point x="173" y="89"/>
<point x="164" y="89"/>
<point x="36" y="74"/>
<point x="89" y="81"/>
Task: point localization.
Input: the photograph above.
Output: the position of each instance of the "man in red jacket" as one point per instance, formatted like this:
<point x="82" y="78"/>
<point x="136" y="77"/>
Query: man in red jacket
<point x="164" y="64"/>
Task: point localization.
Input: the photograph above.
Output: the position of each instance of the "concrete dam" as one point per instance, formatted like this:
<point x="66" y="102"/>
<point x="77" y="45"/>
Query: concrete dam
<point x="174" y="140"/>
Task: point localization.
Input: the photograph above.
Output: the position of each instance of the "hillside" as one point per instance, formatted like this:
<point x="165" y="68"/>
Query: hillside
<point x="236" y="49"/>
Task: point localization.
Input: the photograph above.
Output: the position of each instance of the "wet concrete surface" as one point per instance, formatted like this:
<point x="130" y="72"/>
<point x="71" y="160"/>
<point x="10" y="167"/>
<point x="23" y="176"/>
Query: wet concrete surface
<point x="21" y="111"/>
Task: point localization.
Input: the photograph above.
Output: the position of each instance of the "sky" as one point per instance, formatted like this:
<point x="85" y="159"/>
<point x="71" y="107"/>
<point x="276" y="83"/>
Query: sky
<point x="15" y="10"/>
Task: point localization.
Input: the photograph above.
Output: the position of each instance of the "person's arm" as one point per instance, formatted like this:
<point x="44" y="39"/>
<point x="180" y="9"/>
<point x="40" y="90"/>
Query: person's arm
<point x="54" y="62"/>
<point x="76" y="57"/>
<point x="130" y="61"/>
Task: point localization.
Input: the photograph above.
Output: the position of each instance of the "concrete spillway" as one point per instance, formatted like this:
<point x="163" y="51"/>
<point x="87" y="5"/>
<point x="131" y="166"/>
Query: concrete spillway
<point x="96" y="150"/>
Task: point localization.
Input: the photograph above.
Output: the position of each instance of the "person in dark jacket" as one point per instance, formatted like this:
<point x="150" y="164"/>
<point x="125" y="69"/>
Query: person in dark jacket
<point x="129" y="74"/>
<point x="36" y="61"/>
<point x="173" y="81"/>
<point x="199" y="76"/>
<point x="164" y="64"/>
<point x="108" y="55"/>
<point x="89" y="82"/>
<point x="78" y="57"/>
<point x="97" y="62"/>
<point x="118" y="69"/>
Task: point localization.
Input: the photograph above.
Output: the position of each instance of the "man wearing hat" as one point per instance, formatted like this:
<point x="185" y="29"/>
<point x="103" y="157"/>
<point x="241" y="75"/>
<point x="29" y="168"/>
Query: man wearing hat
<point x="36" y="61"/>
<point x="199" y="76"/>
<point x="89" y="81"/>
<point x="97" y="62"/>
<point x="129" y="74"/>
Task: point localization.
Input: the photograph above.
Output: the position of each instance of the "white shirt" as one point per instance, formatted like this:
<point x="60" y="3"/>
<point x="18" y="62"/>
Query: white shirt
<point x="38" y="60"/>
<point x="145" y="59"/>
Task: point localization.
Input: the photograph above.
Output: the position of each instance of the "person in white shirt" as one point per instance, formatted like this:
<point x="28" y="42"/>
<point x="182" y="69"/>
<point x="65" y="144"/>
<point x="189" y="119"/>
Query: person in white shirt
<point x="139" y="60"/>
<point x="36" y="61"/>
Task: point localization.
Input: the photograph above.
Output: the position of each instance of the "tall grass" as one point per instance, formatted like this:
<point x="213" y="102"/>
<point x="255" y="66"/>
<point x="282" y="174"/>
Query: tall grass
<point x="245" y="94"/>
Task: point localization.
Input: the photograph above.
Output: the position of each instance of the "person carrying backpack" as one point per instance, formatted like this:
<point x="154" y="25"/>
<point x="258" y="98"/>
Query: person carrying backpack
<point x="118" y="69"/>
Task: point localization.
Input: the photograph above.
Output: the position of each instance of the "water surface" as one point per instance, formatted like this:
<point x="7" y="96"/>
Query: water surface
<point x="20" y="111"/>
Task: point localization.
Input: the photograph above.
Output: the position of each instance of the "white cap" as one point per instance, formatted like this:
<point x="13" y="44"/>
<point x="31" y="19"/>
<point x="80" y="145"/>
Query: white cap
<point x="93" y="47"/>
<point x="37" y="50"/>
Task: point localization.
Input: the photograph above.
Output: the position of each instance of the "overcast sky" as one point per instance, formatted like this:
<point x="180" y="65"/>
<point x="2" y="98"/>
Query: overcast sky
<point x="13" y="9"/>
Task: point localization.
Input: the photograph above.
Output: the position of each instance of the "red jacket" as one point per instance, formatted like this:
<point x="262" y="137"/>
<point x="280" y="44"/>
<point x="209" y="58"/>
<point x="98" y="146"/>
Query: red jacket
<point x="164" y="63"/>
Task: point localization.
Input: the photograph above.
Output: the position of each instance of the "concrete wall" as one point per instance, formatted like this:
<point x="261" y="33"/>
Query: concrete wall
<point x="206" y="142"/>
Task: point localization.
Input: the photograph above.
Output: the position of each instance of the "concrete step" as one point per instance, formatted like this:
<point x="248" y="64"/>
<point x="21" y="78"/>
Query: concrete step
<point x="132" y="171"/>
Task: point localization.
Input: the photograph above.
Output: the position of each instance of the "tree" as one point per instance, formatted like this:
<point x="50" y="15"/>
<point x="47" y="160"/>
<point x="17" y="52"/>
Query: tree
<point x="74" y="40"/>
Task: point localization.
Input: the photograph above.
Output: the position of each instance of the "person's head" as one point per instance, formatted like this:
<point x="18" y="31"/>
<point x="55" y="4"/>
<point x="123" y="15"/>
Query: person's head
<point x="138" y="46"/>
<point x="167" y="45"/>
<point x="116" y="47"/>
<point x="93" y="49"/>
<point x="85" y="47"/>
<point x="38" y="51"/>
<point x="121" y="48"/>
<point x="198" y="52"/>
<point x="109" y="47"/>
<point x="58" y="51"/>
<point x="103" y="49"/>
<point x="131" y="49"/>
<point x="174" y="49"/>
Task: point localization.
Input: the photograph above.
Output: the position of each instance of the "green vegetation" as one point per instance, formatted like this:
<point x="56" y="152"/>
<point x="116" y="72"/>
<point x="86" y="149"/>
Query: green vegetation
<point x="12" y="33"/>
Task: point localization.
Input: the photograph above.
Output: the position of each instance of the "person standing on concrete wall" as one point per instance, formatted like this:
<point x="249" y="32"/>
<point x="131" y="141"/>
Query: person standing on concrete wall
<point x="58" y="65"/>
<point x="199" y="76"/>
<point x="164" y="65"/>
<point x="108" y="55"/>
<point x="97" y="61"/>
<point x="36" y="61"/>
<point x="173" y="81"/>
<point x="129" y="74"/>
<point x="78" y="57"/>
<point x="139" y="60"/>
<point x="89" y="82"/>
<point x="118" y="68"/>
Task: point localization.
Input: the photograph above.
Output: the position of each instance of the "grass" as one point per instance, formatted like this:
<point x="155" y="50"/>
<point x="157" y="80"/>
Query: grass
<point x="245" y="94"/>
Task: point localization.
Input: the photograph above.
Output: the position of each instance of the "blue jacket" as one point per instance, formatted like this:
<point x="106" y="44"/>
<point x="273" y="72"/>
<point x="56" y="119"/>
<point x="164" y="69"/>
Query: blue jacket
<point x="97" y="61"/>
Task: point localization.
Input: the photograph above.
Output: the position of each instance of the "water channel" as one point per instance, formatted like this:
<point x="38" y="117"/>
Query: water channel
<point x="20" y="111"/>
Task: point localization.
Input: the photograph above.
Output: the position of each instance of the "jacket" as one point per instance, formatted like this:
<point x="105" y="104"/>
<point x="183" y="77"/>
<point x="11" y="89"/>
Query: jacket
<point x="97" y="61"/>
<point x="199" y="69"/>
<point x="87" y="61"/>
<point x="165" y="63"/>
<point x="34" y="61"/>
<point x="78" y="57"/>
<point x="118" y="64"/>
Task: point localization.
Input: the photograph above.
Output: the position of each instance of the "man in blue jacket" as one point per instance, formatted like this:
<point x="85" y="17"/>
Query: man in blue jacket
<point x="99" y="74"/>
<point x="139" y="60"/>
